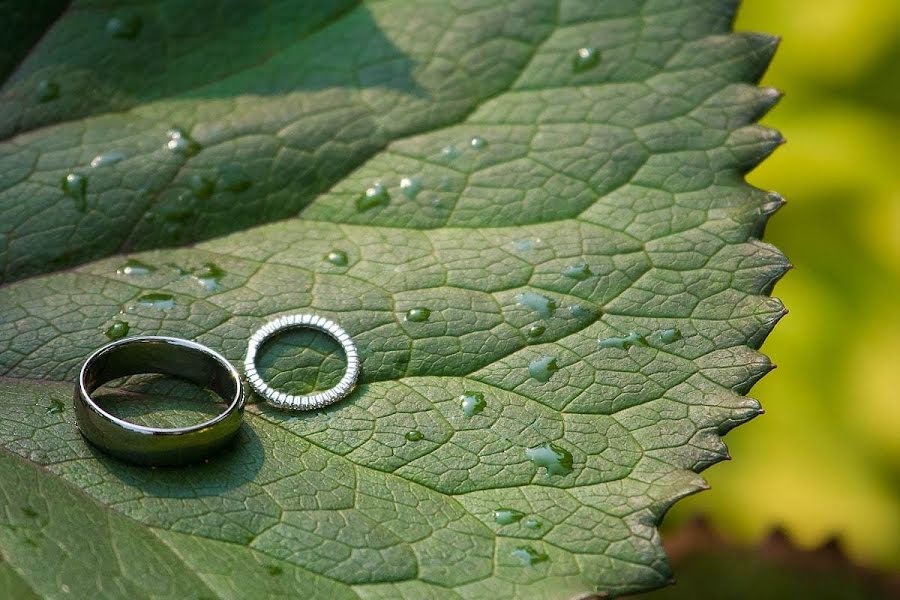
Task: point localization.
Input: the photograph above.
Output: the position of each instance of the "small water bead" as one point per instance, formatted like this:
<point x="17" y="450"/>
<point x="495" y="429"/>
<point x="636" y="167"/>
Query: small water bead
<point x="418" y="314"/>
<point x="478" y="142"/>
<point x="134" y="267"/>
<point x="507" y="516"/>
<point x="667" y="336"/>
<point x="539" y="303"/>
<point x="579" y="272"/>
<point x="75" y="186"/>
<point x="118" y="329"/>
<point x="623" y="343"/>
<point x="376" y="195"/>
<point x="536" y="331"/>
<point x="234" y="179"/>
<point x="580" y="311"/>
<point x="585" y="58"/>
<point x="107" y="159"/>
<point x="56" y="406"/>
<point x="126" y="28"/>
<point x="410" y="186"/>
<point x="47" y="90"/>
<point x="449" y="152"/>
<point x="209" y="276"/>
<point x="557" y="461"/>
<point x="337" y="257"/>
<point x="414" y="436"/>
<point x="181" y="143"/>
<point x="157" y="300"/>
<point x="202" y="187"/>
<point x="532" y="523"/>
<point x="543" y="368"/>
<point x="472" y="403"/>
<point x="529" y="556"/>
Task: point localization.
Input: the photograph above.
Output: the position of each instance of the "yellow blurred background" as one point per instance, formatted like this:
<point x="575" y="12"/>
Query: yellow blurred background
<point x="825" y="458"/>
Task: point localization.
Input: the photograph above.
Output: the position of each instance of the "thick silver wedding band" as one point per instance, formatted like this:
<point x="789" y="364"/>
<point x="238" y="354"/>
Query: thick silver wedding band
<point x="313" y="401"/>
<point x="168" y="356"/>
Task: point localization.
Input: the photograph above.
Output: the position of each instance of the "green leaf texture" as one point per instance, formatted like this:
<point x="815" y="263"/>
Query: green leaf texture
<point x="549" y="260"/>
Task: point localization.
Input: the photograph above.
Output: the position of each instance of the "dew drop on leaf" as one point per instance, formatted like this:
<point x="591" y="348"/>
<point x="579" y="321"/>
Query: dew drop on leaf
<point x="585" y="58"/>
<point x="107" y="159"/>
<point x="126" y="28"/>
<point x="337" y="257"/>
<point x="418" y="314"/>
<point x="543" y="368"/>
<point x="118" y="329"/>
<point x="532" y="523"/>
<point x="667" y="336"/>
<point x="557" y="461"/>
<point x="478" y="142"/>
<point x="449" y="152"/>
<point x="536" y="331"/>
<point x="507" y="516"/>
<point x="539" y="303"/>
<point x="181" y="143"/>
<point x="472" y="403"/>
<point x="209" y="276"/>
<point x="411" y="186"/>
<point x="75" y="186"/>
<point x="47" y="90"/>
<point x="529" y="556"/>
<point x="135" y="267"/>
<point x="623" y="343"/>
<point x="202" y="187"/>
<point x="414" y="436"/>
<point x="579" y="272"/>
<point x="375" y="195"/>
<point x="157" y="300"/>
<point x="56" y="406"/>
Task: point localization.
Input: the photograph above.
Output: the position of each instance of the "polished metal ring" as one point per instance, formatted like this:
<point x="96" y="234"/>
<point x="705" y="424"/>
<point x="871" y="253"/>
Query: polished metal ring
<point x="313" y="401"/>
<point x="169" y="356"/>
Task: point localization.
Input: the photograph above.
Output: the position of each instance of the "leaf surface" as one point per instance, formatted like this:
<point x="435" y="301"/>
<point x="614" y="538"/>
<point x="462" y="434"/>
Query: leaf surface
<point x="563" y="240"/>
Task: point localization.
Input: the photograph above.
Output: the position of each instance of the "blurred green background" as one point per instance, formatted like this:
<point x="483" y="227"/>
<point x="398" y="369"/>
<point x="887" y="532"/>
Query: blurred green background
<point x="825" y="458"/>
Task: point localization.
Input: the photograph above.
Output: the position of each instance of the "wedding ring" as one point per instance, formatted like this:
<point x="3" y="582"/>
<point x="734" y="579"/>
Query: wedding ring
<point x="169" y="356"/>
<point x="313" y="401"/>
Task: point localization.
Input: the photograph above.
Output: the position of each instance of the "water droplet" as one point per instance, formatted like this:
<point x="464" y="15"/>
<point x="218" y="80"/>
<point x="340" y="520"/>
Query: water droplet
<point x="586" y="58"/>
<point x="507" y="516"/>
<point x="75" y="186"/>
<point x="667" y="336"/>
<point x="472" y="403"/>
<point x="156" y="300"/>
<point x="47" y="90"/>
<point x="478" y="142"/>
<point x="523" y="245"/>
<point x="274" y="570"/>
<point x="532" y="523"/>
<point x="543" y="368"/>
<point x="337" y="257"/>
<point x="234" y="179"/>
<point x="135" y="267"/>
<point x="118" y="329"/>
<point x="56" y="406"/>
<point x="536" y="331"/>
<point x="209" y="276"/>
<point x="581" y="311"/>
<point x="376" y="195"/>
<point x="181" y="143"/>
<point x="414" y="436"/>
<point x="107" y="159"/>
<point x="543" y="305"/>
<point x="529" y="556"/>
<point x="449" y="152"/>
<point x="202" y="187"/>
<point x="126" y="28"/>
<point x="411" y="186"/>
<point x="557" y="461"/>
<point x="623" y="343"/>
<point x="418" y="314"/>
<point x="580" y="272"/>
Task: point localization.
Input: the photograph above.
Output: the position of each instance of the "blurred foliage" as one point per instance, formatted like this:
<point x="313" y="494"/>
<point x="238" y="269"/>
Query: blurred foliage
<point x="825" y="459"/>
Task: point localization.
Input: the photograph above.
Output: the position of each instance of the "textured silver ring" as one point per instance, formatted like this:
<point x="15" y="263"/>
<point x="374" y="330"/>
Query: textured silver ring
<point x="313" y="401"/>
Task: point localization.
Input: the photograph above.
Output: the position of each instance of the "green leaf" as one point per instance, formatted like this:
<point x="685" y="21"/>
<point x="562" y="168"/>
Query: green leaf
<point x="531" y="218"/>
